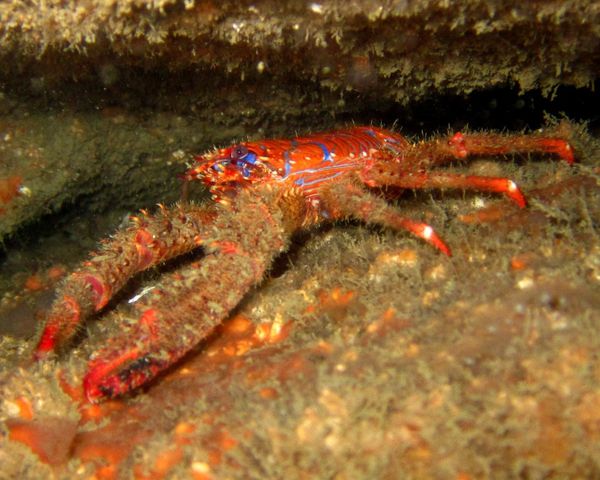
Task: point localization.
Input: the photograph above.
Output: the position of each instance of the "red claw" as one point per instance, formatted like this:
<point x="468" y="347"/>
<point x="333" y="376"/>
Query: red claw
<point x="109" y="378"/>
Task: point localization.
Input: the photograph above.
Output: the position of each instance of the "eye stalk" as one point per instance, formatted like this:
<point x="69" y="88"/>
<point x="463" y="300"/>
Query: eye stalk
<point x="243" y="159"/>
<point x="238" y="152"/>
<point x="226" y="169"/>
<point x="241" y="156"/>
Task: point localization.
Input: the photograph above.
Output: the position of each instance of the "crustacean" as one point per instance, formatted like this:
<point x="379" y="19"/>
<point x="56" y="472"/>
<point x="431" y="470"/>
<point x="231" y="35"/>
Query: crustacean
<point x="263" y="192"/>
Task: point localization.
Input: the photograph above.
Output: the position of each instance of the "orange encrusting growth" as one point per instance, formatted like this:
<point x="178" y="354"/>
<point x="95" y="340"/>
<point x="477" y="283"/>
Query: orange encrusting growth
<point x="48" y="437"/>
<point x="9" y="188"/>
<point x="25" y="408"/>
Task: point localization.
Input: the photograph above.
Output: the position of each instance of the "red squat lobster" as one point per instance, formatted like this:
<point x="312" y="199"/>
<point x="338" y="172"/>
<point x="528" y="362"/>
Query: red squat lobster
<point x="264" y="191"/>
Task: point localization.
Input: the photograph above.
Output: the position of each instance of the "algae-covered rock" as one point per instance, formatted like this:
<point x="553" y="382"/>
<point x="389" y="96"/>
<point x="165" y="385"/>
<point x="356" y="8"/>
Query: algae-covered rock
<point x="98" y="92"/>
<point x="399" y="49"/>
<point x="364" y="354"/>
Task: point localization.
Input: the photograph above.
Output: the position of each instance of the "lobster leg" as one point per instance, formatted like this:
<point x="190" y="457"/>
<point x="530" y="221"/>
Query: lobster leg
<point x="387" y="176"/>
<point x="347" y="199"/>
<point x="461" y="145"/>
<point x="413" y="169"/>
<point x="87" y="290"/>
<point x="239" y="252"/>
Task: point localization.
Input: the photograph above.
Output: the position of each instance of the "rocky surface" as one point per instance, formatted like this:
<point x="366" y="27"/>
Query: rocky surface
<point x="162" y="78"/>
<point x="365" y="354"/>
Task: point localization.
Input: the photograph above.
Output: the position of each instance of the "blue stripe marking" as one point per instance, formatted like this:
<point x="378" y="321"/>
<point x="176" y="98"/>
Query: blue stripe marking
<point x="250" y="157"/>
<point x="326" y="154"/>
<point x="287" y="168"/>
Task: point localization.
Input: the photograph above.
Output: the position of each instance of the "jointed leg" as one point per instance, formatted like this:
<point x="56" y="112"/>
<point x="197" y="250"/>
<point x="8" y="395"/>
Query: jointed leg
<point x="462" y="145"/>
<point x="351" y="200"/>
<point x="414" y="169"/>
<point x="152" y="240"/>
<point x="387" y="175"/>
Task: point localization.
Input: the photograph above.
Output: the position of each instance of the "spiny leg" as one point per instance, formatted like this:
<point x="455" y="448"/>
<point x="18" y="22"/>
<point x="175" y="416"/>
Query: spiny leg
<point x="387" y="175"/>
<point x="152" y="240"/>
<point x="348" y="199"/>
<point x="462" y="145"/>
<point x="412" y="169"/>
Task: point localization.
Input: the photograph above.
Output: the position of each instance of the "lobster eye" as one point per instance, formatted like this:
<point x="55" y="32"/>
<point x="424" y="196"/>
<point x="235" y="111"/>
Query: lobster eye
<point x="239" y="152"/>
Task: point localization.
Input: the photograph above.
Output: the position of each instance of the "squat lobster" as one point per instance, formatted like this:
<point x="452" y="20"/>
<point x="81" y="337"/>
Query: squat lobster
<point x="263" y="192"/>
